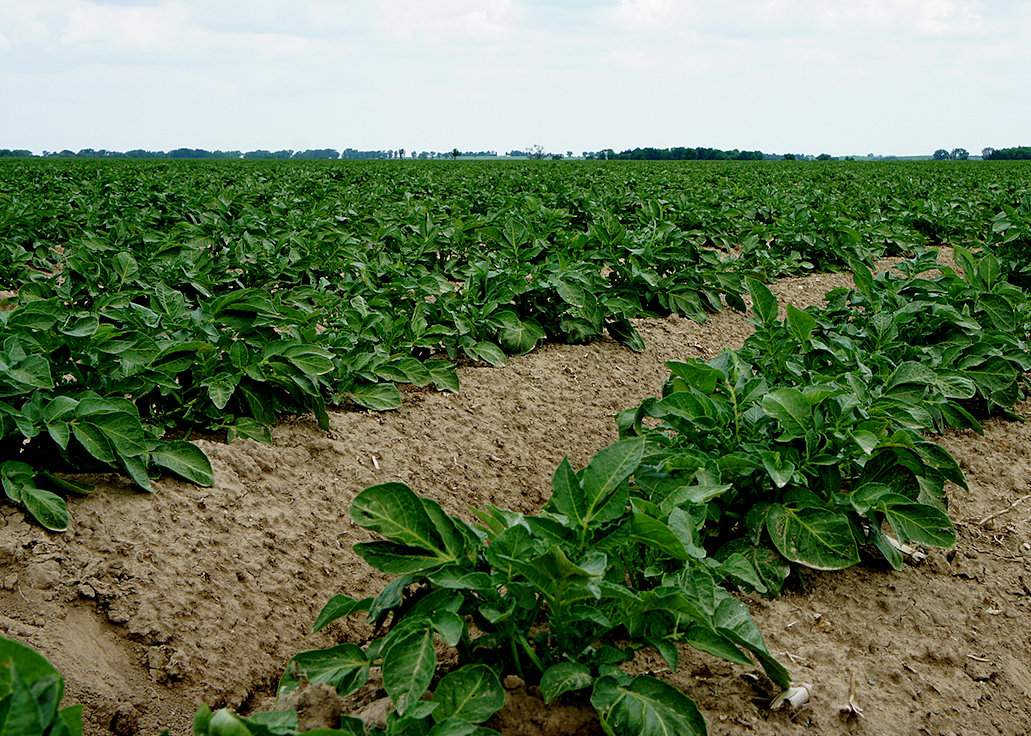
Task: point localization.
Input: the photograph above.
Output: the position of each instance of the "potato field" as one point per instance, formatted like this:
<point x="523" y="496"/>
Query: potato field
<point x="534" y="448"/>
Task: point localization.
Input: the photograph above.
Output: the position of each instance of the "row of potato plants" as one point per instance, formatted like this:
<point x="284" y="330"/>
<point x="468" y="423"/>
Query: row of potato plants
<point x="143" y="302"/>
<point x="806" y="448"/>
<point x="124" y="333"/>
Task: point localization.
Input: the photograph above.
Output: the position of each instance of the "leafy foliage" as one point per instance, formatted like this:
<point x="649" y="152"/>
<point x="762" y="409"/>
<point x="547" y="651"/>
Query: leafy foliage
<point x="215" y="296"/>
<point x="30" y="695"/>
<point x="808" y="444"/>
<point x="555" y="598"/>
<point x="805" y="447"/>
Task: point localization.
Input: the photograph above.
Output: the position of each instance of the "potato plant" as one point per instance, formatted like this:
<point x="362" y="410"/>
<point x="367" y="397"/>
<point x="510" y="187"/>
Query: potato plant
<point x="557" y="599"/>
<point x="30" y="695"/>
<point x="805" y="447"/>
<point x="810" y="443"/>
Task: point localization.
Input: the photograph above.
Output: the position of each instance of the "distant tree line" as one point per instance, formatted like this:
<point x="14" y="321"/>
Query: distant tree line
<point x="956" y="154"/>
<point x="533" y="152"/>
<point x="676" y="154"/>
<point x="1017" y="153"/>
<point x="329" y="154"/>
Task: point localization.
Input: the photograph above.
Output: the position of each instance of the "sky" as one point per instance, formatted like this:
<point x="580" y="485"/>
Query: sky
<point x="896" y="77"/>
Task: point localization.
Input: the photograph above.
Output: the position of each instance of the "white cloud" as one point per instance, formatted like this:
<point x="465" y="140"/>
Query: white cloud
<point x="891" y="76"/>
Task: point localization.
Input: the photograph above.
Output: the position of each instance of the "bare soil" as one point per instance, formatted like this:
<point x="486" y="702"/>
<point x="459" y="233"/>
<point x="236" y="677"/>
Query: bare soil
<point x="152" y="604"/>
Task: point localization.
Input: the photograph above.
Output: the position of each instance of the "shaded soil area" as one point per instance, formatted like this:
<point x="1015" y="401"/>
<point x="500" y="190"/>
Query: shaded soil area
<point x="152" y="604"/>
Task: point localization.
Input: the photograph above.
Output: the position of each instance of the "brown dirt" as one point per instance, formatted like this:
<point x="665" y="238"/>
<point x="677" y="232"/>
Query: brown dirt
<point x="151" y="605"/>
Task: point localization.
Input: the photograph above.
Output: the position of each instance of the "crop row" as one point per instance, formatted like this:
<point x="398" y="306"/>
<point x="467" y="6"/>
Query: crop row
<point x="805" y="448"/>
<point x="143" y="302"/>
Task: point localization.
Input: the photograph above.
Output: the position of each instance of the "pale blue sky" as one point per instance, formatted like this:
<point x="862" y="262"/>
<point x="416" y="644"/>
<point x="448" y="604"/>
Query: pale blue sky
<point x="858" y="76"/>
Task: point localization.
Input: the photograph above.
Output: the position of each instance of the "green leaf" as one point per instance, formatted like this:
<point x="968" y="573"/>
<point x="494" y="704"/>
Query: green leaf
<point x="866" y="440"/>
<point x="339" y="606"/>
<point x="455" y="727"/>
<point x="764" y="303"/>
<point x="343" y="667"/>
<point x="273" y="723"/>
<point x="449" y="626"/>
<point x="604" y="474"/>
<point x="377" y="396"/>
<point x="647" y="707"/>
<point x="408" y="667"/>
<point x="624" y="332"/>
<point x="653" y="533"/>
<point x="570" y="294"/>
<point x="69" y="722"/>
<point x="59" y="408"/>
<point x="125" y="266"/>
<point x="996" y="380"/>
<point x="250" y="429"/>
<point x="813" y="537"/>
<point x="560" y="579"/>
<point x="457" y="578"/>
<point x="201" y="720"/>
<point x="770" y="566"/>
<point x="684" y="525"/>
<point x="123" y="431"/>
<point x="791" y="409"/>
<point x="60" y="433"/>
<point x="801" y="323"/>
<point x="780" y="470"/>
<point x="65" y="485"/>
<point x="394" y="511"/>
<point x="34" y="372"/>
<point x="563" y="678"/>
<point x="912" y="373"/>
<point x="471" y="693"/>
<point x="84" y="326"/>
<point x="743" y="571"/>
<point x="20" y="714"/>
<point x="700" y="492"/>
<point x="444" y="376"/>
<point x="706" y="640"/>
<point x="487" y="352"/>
<point x="136" y="467"/>
<point x="226" y="723"/>
<point x="32" y="666"/>
<point x="49" y="509"/>
<point x="518" y="335"/>
<point x="310" y="360"/>
<point x="185" y="460"/>
<point x="734" y="621"/>
<point x="888" y="550"/>
<point x="221" y="388"/>
<point x="920" y="523"/>
<point x="566" y="494"/>
<point x="398" y="559"/>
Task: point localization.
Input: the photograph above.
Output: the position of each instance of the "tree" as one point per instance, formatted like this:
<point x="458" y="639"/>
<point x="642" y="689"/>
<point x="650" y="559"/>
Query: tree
<point x="959" y="154"/>
<point x="824" y="157"/>
<point x="987" y="153"/>
<point x="941" y="155"/>
<point x="400" y="153"/>
<point x="537" y="151"/>
<point x="1017" y="153"/>
<point x="455" y="153"/>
